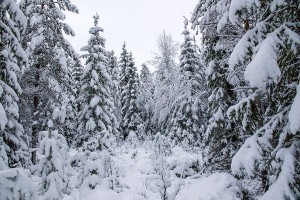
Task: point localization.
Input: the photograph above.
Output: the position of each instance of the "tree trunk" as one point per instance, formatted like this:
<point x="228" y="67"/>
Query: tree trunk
<point x="34" y="139"/>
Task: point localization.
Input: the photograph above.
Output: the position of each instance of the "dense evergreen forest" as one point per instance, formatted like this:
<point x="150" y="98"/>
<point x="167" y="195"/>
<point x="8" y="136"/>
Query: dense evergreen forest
<point x="217" y="119"/>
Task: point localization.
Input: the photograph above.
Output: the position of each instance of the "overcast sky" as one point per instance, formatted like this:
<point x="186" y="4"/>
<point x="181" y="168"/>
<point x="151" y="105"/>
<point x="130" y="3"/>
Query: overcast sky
<point x="137" y="22"/>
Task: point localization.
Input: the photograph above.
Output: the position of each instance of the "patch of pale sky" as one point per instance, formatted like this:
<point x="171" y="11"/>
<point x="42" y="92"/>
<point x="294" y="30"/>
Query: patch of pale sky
<point x="136" y="22"/>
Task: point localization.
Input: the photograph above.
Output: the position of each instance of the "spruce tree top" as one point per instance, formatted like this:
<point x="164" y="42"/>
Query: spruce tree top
<point x="96" y="44"/>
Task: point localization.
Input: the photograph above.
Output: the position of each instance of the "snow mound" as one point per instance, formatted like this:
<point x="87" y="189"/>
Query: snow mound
<point x="215" y="187"/>
<point x="100" y="193"/>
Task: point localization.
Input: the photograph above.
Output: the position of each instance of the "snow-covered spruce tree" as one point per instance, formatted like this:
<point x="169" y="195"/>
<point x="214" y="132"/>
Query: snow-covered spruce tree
<point x="187" y="115"/>
<point x="12" y="61"/>
<point x="114" y="71"/>
<point x="123" y="64"/>
<point x="54" y="165"/>
<point x="96" y="117"/>
<point x="145" y="99"/>
<point x="269" y="55"/>
<point x="77" y="70"/>
<point x="98" y="126"/>
<point x="3" y="156"/>
<point x="218" y="40"/>
<point x="166" y="78"/>
<point x="128" y="88"/>
<point x="69" y="109"/>
<point x="46" y="80"/>
<point x="66" y="114"/>
<point x="74" y="106"/>
<point x="112" y="65"/>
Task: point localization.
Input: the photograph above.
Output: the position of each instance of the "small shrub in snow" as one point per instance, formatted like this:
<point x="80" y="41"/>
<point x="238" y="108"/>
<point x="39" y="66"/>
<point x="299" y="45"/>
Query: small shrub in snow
<point x="92" y="171"/>
<point x="161" y="145"/>
<point x="184" y="164"/>
<point x="53" y="166"/>
<point x="160" y="181"/>
<point x="112" y="173"/>
<point x="99" y="168"/>
<point x="15" y="184"/>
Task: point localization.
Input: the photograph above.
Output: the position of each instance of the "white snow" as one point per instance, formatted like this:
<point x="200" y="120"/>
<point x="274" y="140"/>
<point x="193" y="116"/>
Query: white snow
<point x="90" y="125"/>
<point x="238" y="5"/>
<point x="13" y="8"/>
<point x="95" y="76"/>
<point x="3" y="118"/>
<point x="281" y="188"/>
<point x="240" y="50"/>
<point x="16" y="184"/>
<point x="294" y="114"/>
<point x="100" y="193"/>
<point x="276" y="3"/>
<point x="210" y="68"/>
<point x="94" y="101"/>
<point x="264" y="67"/>
<point x="246" y="157"/>
<point x="143" y="169"/>
<point x="50" y="123"/>
<point x="215" y="187"/>
<point x="222" y="22"/>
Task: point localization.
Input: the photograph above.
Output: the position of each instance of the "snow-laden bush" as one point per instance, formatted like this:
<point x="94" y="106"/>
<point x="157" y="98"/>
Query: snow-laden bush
<point x="112" y="176"/>
<point x="96" y="165"/>
<point x="98" y="169"/>
<point x="92" y="170"/>
<point x="53" y="166"/>
<point x="160" y="180"/>
<point x="184" y="164"/>
<point x="15" y="184"/>
<point x="171" y="167"/>
<point x="161" y="145"/>
<point x="132" y="143"/>
<point x="100" y="141"/>
<point x="132" y="138"/>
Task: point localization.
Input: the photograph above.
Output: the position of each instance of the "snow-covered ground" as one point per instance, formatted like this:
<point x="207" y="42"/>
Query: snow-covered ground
<point x="170" y="174"/>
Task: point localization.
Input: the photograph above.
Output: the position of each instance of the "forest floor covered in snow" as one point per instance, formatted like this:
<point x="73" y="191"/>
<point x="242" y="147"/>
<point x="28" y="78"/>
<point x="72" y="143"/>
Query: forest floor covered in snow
<point x="152" y="171"/>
